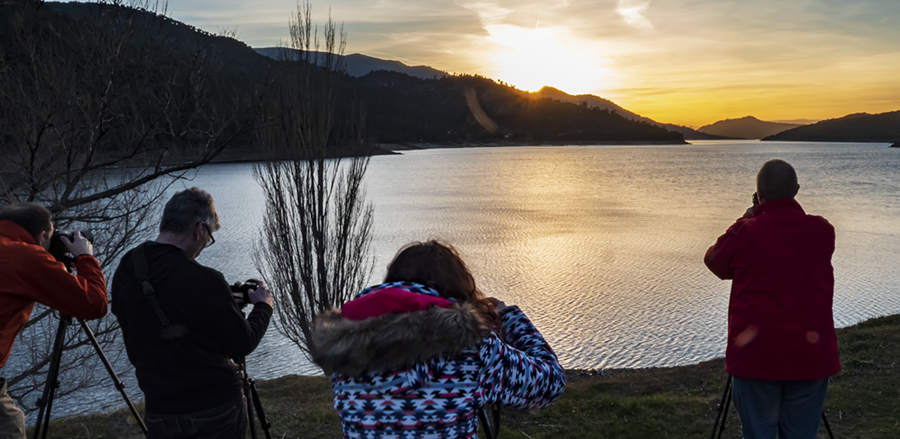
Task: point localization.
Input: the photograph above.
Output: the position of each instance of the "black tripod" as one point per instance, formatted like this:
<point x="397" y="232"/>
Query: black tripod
<point x="723" y="413"/>
<point x="46" y="400"/>
<point x="490" y="422"/>
<point x="254" y="405"/>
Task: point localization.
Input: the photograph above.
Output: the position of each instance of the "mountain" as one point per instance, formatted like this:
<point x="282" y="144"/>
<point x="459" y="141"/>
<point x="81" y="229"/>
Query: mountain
<point x="471" y="109"/>
<point x="859" y="127"/>
<point x="360" y="65"/>
<point x="239" y="57"/>
<point x="413" y="105"/>
<point x="592" y="101"/>
<point x="747" y="127"/>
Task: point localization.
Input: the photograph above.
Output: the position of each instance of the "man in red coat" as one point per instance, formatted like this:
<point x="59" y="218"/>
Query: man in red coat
<point x="30" y="274"/>
<point x="782" y="345"/>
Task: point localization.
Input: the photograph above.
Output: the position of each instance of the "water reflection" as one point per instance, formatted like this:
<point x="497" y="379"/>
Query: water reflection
<point x="603" y="245"/>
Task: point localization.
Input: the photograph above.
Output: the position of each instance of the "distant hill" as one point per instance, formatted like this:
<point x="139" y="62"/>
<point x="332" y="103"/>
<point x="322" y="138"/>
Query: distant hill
<point x="403" y="104"/>
<point x="470" y="109"/>
<point x="859" y="127"/>
<point x="360" y="65"/>
<point x="747" y="127"/>
<point x="239" y="56"/>
<point x="605" y="104"/>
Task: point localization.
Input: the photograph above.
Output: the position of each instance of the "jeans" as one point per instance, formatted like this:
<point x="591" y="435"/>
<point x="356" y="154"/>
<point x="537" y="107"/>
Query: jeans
<point x="793" y="409"/>
<point x="227" y="421"/>
<point x="12" y="420"/>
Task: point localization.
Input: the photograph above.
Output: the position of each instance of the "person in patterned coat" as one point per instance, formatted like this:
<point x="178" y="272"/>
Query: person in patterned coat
<point x="418" y="356"/>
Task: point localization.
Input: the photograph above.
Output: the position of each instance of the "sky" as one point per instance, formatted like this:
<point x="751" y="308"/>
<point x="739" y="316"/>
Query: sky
<point x="688" y="62"/>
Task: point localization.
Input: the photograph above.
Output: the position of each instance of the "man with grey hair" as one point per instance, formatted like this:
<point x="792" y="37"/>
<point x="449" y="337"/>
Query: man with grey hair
<point x="782" y="345"/>
<point x="182" y="328"/>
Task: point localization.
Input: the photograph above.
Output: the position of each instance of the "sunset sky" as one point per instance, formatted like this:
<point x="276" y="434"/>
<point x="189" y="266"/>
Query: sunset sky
<point x="690" y="62"/>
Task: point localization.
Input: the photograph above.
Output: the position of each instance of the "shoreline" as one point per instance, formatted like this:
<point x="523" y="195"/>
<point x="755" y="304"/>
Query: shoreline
<point x="379" y="149"/>
<point x="681" y="401"/>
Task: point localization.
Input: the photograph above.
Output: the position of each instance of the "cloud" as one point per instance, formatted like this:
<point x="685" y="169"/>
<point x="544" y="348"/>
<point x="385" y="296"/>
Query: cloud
<point x="632" y="11"/>
<point x="660" y="58"/>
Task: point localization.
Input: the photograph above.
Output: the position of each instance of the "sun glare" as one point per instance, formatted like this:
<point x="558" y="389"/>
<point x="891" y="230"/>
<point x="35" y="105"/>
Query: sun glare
<point x="532" y="58"/>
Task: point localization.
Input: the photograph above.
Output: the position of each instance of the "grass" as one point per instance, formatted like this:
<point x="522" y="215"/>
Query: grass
<point x="679" y="402"/>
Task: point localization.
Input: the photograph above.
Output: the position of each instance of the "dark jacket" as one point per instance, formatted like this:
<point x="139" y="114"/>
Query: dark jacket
<point x="422" y="368"/>
<point x="190" y="372"/>
<point x="29" y="274"/>
<point x="780" y="324"/>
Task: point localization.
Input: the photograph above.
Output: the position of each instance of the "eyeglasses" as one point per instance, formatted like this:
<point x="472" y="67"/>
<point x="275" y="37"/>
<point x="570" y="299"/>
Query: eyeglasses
<point x="209" y="232"/>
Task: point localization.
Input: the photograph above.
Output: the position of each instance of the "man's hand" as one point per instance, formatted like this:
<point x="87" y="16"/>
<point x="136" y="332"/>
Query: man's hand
<point x="81" y="246"/>
<point x="261" y="294"/>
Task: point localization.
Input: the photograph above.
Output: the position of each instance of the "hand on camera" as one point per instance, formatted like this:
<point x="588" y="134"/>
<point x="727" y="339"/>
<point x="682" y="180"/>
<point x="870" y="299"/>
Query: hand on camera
<point x="261" y="294"/>
<point x="80" y="246"/>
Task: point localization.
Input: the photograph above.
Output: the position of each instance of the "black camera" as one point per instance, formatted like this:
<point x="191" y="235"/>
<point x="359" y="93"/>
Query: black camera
<point x="60" y="252"/>
<point x="240" y="291"/>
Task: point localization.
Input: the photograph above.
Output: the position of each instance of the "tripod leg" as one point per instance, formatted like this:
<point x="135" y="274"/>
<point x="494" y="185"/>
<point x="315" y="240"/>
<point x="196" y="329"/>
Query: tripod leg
<point x="251" y="423"/>
<point x="46" y="401"/>
<point x="263" y="422"/>
<point x="725" y="393"/>
<point x="112" y="374"/>
<point x="827" y="425"/>
<point x="725" y="410"/>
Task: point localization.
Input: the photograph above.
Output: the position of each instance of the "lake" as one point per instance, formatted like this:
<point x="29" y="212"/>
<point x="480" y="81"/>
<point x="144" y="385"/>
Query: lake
<point x="601" y="246"/>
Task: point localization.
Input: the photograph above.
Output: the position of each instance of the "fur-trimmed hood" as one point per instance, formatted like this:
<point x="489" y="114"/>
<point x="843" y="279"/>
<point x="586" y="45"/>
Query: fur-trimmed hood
<point x="394" y="339"/>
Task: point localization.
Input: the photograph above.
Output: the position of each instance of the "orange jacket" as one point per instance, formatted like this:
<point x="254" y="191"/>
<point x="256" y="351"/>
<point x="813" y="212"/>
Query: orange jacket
<point x="29" y="274"/>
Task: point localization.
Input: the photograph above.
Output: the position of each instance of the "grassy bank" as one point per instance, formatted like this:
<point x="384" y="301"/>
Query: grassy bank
<point x="863" y="400"/>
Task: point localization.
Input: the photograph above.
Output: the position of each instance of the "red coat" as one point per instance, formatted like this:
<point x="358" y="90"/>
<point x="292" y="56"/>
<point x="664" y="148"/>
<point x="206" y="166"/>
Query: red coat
<point x="29" y="274"/>
<point x="780" y="324"/>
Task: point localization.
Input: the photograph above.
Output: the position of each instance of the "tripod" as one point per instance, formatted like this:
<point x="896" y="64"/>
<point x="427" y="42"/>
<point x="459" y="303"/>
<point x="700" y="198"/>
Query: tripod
<point x="490" y="423"/>
<point x="46" y="400"/>
<point x="253" y="402"/>
<point x="723" y="412"/>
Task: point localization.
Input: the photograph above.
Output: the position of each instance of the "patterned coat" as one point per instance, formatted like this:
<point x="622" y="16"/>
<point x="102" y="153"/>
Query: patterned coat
<point x="408" y="364"/>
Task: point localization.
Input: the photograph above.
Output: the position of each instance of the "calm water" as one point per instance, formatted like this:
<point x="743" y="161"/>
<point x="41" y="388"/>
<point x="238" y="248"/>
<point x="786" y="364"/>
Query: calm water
<point x="601" y="246"/>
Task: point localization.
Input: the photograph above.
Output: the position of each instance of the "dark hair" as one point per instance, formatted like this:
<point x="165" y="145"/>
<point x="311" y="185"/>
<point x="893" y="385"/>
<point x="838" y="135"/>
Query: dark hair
<point x="438" y="266"/>
<point x="186" y="208"/>
<point x="776" y="180"/>
<point x="31" y="217"/>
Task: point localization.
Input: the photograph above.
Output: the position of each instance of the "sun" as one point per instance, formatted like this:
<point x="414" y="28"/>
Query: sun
<point x="532" y="58"/>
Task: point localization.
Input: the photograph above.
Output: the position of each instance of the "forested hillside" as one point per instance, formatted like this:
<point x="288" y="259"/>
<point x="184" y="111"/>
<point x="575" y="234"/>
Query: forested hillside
<point x="174" y="78"/>
<point x="860" y="127"/>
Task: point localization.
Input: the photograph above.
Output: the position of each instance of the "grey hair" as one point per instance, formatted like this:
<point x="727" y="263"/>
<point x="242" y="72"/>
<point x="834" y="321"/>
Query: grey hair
<point x="187" y="208"/>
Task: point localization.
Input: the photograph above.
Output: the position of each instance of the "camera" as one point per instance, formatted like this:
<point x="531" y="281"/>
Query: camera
<point x="240" y="291"/>
<point x="60" y="252"/>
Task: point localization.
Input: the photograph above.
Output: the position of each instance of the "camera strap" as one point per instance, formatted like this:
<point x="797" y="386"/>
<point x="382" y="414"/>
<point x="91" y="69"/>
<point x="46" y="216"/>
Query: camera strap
<point x="142" y="272"/>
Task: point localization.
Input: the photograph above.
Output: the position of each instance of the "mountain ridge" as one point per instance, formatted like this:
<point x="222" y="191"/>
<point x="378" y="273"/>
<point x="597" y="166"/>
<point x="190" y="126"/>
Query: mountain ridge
<point x="856" y="127"/>
<point x="593" y="101"/>
<point x="747" y="127"/>
<point x="359" y="65"/>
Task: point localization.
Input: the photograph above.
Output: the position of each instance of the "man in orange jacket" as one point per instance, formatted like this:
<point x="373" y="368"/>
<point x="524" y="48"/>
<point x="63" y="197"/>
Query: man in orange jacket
<point x="30" y="274"/>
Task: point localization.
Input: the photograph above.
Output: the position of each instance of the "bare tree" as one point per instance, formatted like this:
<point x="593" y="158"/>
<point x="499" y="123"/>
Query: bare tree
<point x="103" y="107"/>
<point x="317" y="227"/>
